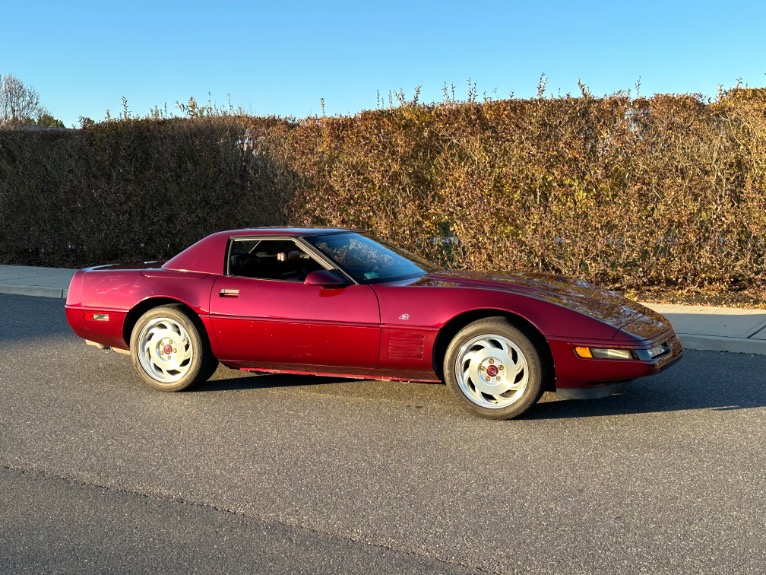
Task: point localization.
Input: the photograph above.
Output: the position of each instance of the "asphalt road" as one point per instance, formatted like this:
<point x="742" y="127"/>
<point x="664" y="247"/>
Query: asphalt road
<point x="274" y="474"/>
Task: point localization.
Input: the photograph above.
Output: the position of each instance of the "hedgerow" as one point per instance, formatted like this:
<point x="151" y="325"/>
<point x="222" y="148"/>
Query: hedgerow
<point x="663" y="191"/>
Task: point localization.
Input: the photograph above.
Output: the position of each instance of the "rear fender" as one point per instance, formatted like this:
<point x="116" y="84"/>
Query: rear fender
<point x="117" y="298"/>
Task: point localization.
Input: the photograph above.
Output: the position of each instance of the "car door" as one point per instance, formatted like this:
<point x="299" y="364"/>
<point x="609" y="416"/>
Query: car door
<point x="273" y="320"/>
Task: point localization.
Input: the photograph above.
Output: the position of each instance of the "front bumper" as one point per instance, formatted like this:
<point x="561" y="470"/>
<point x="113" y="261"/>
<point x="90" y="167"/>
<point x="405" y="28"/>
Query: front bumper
<point x="578" y="377"/>
<point x="597" y="392"/>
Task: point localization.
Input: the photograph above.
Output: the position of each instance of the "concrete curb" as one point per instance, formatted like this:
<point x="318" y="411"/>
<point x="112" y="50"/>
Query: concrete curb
<point x="710" y="328"/>
<point x="33" y="291"/>
<point x="717" y="343"/>
<point x="35" y="281"/>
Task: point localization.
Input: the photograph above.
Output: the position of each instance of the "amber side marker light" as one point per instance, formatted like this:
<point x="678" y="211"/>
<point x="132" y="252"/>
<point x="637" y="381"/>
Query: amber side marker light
<point x="603" y="353"/>
<point x="96" y="316"/>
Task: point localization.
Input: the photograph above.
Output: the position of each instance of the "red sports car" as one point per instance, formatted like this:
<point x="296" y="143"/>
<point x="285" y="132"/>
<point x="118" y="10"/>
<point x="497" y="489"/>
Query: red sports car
<point x="336" y="302"/>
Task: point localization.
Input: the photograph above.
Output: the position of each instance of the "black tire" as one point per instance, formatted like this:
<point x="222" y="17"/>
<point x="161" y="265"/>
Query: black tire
<point x="494" y="369"/>
<point x="170" y="350"/>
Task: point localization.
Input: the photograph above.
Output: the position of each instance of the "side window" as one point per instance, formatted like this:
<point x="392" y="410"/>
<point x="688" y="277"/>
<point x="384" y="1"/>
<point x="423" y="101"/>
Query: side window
<point x="270" y="259"/>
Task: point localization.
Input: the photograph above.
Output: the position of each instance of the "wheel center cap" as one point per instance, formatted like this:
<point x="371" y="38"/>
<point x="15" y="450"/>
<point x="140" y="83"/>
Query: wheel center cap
<point x="492" y="370"/>
<point x="168" y="349"/>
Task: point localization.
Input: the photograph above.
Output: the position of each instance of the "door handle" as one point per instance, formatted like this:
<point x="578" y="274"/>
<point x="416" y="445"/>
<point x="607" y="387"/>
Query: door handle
<point x="229" y="293"/>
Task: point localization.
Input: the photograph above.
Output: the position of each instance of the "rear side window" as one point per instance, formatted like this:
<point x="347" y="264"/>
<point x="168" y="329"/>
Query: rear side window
<point x="270" y="259"/>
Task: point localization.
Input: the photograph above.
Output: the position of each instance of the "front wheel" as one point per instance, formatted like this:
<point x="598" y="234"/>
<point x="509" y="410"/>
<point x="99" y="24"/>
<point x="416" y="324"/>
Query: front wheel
<point x="169" y="351"/>
<point x="494" y="369"/>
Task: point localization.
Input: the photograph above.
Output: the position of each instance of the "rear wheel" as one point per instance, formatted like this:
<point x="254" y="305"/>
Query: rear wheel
<point x="494" y="369"/>
<point x="170" y="350"/>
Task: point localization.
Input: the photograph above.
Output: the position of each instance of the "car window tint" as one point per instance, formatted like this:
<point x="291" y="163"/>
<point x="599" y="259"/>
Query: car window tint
<point x="270" y="259"/>
<point x="364" y="259"/>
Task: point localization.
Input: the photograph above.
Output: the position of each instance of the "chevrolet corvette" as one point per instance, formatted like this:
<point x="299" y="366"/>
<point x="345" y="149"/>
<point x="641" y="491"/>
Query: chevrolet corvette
<point x="337" y="302"/>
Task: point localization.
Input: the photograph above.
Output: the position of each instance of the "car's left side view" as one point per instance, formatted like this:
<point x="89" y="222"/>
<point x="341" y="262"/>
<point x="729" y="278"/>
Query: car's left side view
<point x="337" y="302"/>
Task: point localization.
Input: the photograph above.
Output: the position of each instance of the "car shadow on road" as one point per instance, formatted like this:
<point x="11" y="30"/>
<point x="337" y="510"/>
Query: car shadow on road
<point x="231" y="380"/>
<point x="703" y="380"/>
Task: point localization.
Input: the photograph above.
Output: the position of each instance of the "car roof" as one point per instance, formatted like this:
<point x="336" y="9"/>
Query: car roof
<point x="208" y="254"/>
<point x="282" y="231"/>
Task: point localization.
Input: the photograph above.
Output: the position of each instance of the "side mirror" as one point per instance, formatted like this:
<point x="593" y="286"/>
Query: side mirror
<point x="325" y="278"/>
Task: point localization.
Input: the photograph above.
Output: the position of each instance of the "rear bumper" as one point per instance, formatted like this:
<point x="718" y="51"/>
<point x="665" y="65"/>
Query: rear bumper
<point x="106" y="331"/>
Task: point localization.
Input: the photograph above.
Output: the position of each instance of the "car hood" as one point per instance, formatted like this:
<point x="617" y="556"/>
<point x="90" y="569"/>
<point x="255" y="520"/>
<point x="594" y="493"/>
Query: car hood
<point x="577" y="295"/>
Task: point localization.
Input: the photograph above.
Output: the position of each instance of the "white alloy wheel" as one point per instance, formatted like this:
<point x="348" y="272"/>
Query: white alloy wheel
<point x="170" y="350"/>
<point x="494" y="369"/>
<point x="164" y="350"/>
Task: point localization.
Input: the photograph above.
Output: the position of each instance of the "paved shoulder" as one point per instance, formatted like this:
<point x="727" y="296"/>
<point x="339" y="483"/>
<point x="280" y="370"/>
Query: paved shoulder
<point x="35" y="281"/>
<point x="55" y="525"/>
<point x="710" y="328"/>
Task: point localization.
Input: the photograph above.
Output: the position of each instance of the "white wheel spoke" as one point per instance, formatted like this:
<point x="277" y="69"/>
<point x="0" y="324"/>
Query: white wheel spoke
<point x="469" y="357"/>
<point x="505" y="346"/>
<point x="467" y="376"/>
<point x="517" y="386"/>
<point x="517" y="369"/>
<point x="185" y="352"/>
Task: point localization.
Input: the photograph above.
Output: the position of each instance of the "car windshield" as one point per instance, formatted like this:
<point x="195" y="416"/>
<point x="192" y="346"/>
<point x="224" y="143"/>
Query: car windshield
<point x="370" y="261"/>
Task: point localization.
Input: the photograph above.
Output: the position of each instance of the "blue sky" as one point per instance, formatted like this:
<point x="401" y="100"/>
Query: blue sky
<point x="282" y="57"/>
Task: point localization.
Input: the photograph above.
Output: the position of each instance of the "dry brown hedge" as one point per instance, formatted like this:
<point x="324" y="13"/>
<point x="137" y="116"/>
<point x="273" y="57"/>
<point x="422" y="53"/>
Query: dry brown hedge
<point x="666" y="191"/>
